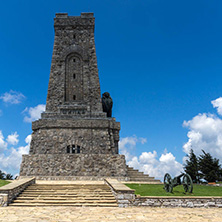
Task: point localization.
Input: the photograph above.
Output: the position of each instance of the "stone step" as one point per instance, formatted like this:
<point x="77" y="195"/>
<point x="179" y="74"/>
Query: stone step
<point x="129" y="168"/>
<point x="66" y="195"/>
<point x="132" y="170"/>
<point x="64" y="201"/>
<point x="63" y="188"/>
<point x="68" y="187"/>
<point x="145" y="180"/>
<point x="64" y="205"/>
<point x="142" y="177"/>
<point x="75" y="190"/>
<point x="135" y="175"/>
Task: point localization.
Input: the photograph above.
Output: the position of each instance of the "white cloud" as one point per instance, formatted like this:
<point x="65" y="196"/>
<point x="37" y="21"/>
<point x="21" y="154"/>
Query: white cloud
<point x="205" y="133"/>
<point x="128" y="144"/>
<point x="28" y="139"/>
<point x="143" y="140"/>
<point x="13" y="138"/>
<point x="148" y="162"/>
<point x="3" y="144"/>
<point x="10" y="163"/>
<point x="34" y="113"/>
<point x="12" y="97"/>
<point x="217" y="103"/>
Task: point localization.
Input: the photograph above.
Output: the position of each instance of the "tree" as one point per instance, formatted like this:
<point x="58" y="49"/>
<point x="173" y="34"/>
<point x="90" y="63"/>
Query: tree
<point x="2" y="175"/>
<point x="9" y="176"/>
<point x="191" y="167"/>
<point x="209" y="167"/>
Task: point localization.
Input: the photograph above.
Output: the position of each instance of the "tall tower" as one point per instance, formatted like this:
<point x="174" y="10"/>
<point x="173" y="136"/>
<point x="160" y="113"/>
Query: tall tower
<point x="74" y="137"/>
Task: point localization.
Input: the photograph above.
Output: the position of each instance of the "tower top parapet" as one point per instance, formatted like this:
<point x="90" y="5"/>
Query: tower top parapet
<point x="83" y="15"/>
<point x="86" y="19"/>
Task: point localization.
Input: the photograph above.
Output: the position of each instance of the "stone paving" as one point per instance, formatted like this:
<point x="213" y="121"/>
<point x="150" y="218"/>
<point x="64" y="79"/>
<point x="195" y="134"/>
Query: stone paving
<point x="136" y="214"/>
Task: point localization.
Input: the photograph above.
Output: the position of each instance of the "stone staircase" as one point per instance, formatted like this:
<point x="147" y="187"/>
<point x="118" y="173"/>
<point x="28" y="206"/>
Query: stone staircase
<point x="79" y="195"/>
<point x="135" y="175"/>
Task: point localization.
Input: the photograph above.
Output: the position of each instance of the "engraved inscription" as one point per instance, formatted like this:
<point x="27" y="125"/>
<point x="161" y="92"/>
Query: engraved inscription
<point x="73" y="111"/>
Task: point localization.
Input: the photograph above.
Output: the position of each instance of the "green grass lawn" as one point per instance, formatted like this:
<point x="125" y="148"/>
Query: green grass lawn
<point x="3" y="182"/>
<point x="157" y="190"/>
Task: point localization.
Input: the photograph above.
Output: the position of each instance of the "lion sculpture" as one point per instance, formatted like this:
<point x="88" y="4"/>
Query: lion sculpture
<point x="107" y="103"/>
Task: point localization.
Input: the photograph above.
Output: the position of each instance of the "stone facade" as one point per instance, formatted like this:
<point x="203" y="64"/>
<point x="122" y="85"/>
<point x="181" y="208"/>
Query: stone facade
<point x="65" y="165"/>
<point x="74" y="137"/>
<point x="97" y="136"/>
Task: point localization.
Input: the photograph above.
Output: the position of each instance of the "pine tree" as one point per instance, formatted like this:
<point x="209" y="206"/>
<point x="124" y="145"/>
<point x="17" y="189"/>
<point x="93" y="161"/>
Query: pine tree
<point x="2" y="175"/>
<point x="209" y="167"/>
<point x="9" y="176"/>
<point x="191" y="167"/>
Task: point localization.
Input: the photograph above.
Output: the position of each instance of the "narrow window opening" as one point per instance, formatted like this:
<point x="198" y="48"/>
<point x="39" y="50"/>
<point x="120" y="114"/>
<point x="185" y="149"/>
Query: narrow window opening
<point x="74" y="36"/>
<point x="73" y="148"/>
<point x="74" y="97"/>
<point x="74" y="76"/>
<point x="78" y="149"/>
<point x="68" y="149"/>
<point x="74" y="60"/>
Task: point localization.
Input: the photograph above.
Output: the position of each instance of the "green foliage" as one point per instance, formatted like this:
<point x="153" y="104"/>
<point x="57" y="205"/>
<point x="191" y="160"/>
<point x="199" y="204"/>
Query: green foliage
<point x="191" y="167"/>
<point x="3" y="182"/>
<point x="9" y="176"/>
<point x="203" y="167"/>
<point x="209" y="167"/>
<point x="157" y="190"/>
<point x="2" y="175"/>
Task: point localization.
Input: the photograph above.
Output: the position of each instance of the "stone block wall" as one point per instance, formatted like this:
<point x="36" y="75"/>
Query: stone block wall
<point x="74" y="165"/>
<point x="3" y="200"/>
<point x="123" y="194"/>
<point x="13" y="189"/>
<point x="189" y="202"/>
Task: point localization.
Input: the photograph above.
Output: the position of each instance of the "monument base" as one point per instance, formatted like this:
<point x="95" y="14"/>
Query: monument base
<point x="73" y="166"/>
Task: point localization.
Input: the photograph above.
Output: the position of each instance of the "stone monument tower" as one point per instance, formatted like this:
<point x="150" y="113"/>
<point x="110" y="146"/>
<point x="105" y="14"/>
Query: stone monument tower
<point x="74" y="137"/>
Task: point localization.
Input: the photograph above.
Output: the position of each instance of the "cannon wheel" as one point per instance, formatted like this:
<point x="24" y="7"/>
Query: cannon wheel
<point x="168" y="183"/>
<point x="187" y="183"/>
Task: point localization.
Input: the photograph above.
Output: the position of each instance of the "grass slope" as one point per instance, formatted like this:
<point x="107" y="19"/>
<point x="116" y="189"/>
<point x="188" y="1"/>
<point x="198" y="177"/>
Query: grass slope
<point x="3" y="182"/>
<point x="157" y="190"/>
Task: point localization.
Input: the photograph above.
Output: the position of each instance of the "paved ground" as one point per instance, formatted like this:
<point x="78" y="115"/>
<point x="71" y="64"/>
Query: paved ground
<point x="136" y="214"/>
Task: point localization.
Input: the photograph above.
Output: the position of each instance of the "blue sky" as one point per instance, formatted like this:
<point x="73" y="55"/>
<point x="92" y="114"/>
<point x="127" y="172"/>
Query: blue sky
<point x="160" y="60"/>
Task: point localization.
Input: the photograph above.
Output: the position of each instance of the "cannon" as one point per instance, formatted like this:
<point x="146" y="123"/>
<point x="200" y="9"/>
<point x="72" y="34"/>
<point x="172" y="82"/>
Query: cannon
<point x="183" y="179"/>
